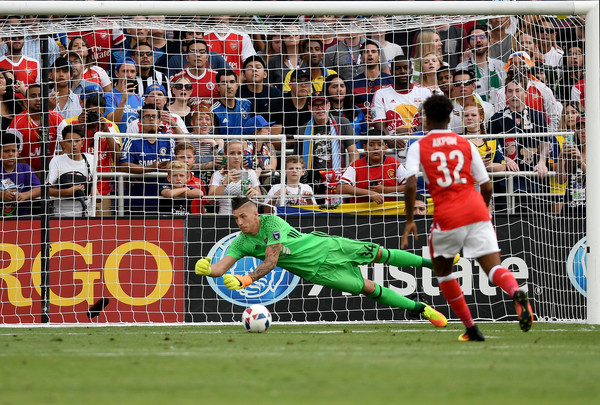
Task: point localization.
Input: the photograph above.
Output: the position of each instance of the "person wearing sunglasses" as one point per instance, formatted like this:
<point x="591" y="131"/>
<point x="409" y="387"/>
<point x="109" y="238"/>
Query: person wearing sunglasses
<point x="489" y="71"/>
<point x="462" y="92"/>
<point x="181" y="89"/>
<point x="551" y="51"/>
<point x="147" y="74"/>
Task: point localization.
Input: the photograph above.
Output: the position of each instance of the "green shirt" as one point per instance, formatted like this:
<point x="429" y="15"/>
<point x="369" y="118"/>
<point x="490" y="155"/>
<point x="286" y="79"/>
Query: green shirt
<point x="301" y="253"/>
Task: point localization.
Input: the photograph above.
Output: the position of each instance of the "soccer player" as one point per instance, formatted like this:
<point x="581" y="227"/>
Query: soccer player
<point x="461" y="219"/>
<point x="329" y="261"/>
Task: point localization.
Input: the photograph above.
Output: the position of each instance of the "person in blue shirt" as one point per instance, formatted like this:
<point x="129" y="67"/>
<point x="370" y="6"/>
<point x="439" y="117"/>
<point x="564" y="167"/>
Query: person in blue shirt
<point x="144" y="156"/>
<point x="18" y="183"/>
<point x="124" y="98"/>
<point x="231" y="113"/>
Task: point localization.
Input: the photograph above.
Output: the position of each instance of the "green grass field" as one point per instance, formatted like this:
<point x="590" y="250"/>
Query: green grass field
<point x="300" y="364"/>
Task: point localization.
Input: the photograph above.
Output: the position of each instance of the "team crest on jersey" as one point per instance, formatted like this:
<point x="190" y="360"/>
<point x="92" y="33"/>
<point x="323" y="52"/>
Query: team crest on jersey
<point x="276" y="235"/>
<point x="244" y="114"/>
<point x="233" y="46"/>
<point x="162" y="151"/>
<point x="273" y="287"/>
<point x="210" y="85"/>
<point x="391" y="173"/>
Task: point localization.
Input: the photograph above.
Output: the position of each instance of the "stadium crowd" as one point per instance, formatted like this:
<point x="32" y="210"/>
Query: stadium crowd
<point x="505" y="75"/>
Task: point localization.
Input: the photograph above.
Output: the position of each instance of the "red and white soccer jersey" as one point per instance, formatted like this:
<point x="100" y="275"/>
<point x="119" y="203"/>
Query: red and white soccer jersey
<point x="398" y="110"/>
<point x="102" y="41"/>
<point x="26" y="70"/>
<point x="97" y="75"/>
<point x="362" y="175"/>
<point x="30" y="147"/>
<point x="204" y="86"/>
<point x="450" y="165"/>
<point x="235" y="48"/>
<point x="578" y="92"/>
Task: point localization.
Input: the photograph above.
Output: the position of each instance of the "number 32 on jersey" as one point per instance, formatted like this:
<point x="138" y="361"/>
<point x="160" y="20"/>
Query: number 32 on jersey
<point x="448" y="178"/>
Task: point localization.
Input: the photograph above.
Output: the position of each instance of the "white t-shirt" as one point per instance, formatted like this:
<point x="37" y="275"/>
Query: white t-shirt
<point x="232" y="189"/>
<point x="291" y="190"/>
<point x="133" y="127"/>
<point x="61" y="164"/>
<point x="397" y="110"/>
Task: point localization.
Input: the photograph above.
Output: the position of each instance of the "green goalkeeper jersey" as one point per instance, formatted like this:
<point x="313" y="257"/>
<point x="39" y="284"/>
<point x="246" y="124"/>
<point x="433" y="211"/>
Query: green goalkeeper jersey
<point x="301" y="253"/>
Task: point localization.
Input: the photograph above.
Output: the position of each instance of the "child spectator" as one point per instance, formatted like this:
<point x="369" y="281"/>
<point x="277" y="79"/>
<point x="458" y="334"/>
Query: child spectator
<point x="186" y="153"/>
<point x="70" y="175"/>
<point x="18" y="183"/>
<point x="372" y="176"/>
<point x="296" y="192"/>
<point x="179" y="195"/>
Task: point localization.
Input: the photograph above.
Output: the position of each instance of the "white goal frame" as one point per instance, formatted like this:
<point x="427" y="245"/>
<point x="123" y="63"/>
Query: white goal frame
<point x="591" y="9"/>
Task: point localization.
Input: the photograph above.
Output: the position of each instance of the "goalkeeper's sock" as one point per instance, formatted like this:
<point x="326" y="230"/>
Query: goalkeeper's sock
<point x="400" y="258"/>
<point x="386" y="296"/>
<point x="505" y="279"/>
<point x="454" y="295"/>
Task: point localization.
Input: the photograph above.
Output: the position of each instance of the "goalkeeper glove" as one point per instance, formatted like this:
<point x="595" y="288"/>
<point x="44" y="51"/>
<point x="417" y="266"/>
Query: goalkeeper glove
<point x="234" y="282"/>
<point x="203" y="266"/>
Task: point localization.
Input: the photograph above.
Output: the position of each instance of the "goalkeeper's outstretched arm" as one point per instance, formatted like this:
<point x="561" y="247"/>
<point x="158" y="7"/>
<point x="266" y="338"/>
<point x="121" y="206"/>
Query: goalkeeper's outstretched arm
<point x="204" y="268"/>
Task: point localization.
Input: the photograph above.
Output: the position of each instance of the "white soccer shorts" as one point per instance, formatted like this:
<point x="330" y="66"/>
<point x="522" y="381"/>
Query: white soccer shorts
<point x="476" y="240"/>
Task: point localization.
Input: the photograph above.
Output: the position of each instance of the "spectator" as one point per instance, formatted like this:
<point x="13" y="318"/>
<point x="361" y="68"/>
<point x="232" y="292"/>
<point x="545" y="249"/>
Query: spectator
<point x="500" y="40"/>
<point x="260" y="154"/>
<point x="133" y="36"/>
<point x="539" y="96"/>
<point x="147" y="74"/>
<point x="144" y="156"/>
<point x="18" y="184"/>
<point x="31" y="40"/>
<point x="552" y="53"/>
<point x="233" y="179"/>
<point x="180" y="102"/>
<point x="342" y="104"/>
<point x="102" y="41"/>
<point x="7" y="99"/>
<point x="289" y="59"/>
<point x="124" y="97"/>
<point x="295" y="104"/>
<point x="489" y="71"/>
<point x="181" y="197"/>
<point x="428" y="66"/>
<point x="444" y="80"/>
<point x="525" y="42"/>
<point x="203" y="124"/>
<point x="91" y="71"/>
<point x="296" y="193"/>
<point x="62" y="99"/>
<point x="529" y="153"/>
<point x="70" y="175"/>
<point x="266" y="100"/>
<point x="231" y="112"/>
<point x="395" y="109"/>
<point x="325" y="154"/>
<point x="202" y="78"/>
<point x="572" y="171"/>
<point x="364" y="86"/>
<point x="390" y="49"/>
<point x="328" y="22"/>
<point x="26" y="70"/>
<point x="171" y="122"/>
<point x="374" y="175"/>
<point x="234" y="47"/>
<point x="474" y="125"/>
<point x="178" y="61"/>
<point x="426" y="41"/>
<point x="573" y="72"/>
<point x="462" y="92"/>
<point x="79" y="85"/>
<point x="26" y="126"/>
<point x="158" y="40"/>
<point x="311" y="59"/>
<point x="92" y="120"/>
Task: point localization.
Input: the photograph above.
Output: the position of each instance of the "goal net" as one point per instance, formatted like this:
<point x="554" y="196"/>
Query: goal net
<point x="124" y="138"/>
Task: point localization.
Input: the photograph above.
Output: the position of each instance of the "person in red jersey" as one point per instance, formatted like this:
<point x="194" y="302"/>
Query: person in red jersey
<point x="102" y="41"/>
<point x="234" y="47"/>
<point x="203" y="80"/>
<point x="372" y="176"/>
<point x="26" y="70"/>
<point x="461" y="220"/>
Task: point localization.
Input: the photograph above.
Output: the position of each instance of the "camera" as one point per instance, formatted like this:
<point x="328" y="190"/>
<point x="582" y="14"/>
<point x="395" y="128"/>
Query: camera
<point x="132" y="83"/>
<point x="92" y="117"/>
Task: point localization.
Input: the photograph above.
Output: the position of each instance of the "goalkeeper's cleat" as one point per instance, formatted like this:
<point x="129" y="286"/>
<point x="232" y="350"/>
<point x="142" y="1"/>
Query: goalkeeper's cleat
<point x="472" y="334"/>
<point x="524" y="311"/>
<point x="456" y="259"/>
<point x="435" y="317"/>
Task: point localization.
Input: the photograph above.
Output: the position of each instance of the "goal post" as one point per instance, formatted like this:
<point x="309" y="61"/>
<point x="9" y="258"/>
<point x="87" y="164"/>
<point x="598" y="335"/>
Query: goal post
<point x="300" y="306"/>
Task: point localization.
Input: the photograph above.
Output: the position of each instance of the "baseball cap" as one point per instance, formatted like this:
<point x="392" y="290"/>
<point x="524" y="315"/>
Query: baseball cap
<point x="523" y="55"/>
<point x="317" y="97"/>
<point x="580" y="121"/>
<point x="155" y="87"/>
<point x="126" y="60"/>
<point x="300" y="73"/>
<point x="255" y="123"/>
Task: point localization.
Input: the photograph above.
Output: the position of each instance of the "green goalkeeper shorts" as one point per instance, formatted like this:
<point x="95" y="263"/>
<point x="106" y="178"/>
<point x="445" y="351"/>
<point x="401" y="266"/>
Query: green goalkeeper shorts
<point x="340" y="270"/>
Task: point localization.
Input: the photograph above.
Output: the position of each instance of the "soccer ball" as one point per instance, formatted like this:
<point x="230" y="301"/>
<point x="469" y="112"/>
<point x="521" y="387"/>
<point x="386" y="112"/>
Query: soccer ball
<point x="256" y="319"/>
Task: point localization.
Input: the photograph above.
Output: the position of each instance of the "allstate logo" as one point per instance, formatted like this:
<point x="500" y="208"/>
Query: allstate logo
<point x="577" y="266"/>
<point x="273" y="287"/>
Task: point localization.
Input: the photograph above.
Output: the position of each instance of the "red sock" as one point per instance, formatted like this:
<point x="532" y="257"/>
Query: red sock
<point x="504" y="279"/>
<point x="454" y="295"/>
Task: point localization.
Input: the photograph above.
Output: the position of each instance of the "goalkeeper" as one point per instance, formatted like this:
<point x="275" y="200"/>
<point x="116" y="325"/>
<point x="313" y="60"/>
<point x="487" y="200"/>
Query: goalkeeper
<point x="319" y="258"/>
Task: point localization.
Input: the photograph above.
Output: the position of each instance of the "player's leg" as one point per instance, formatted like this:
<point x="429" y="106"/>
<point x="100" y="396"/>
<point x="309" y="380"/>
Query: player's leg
<point x="483" y="244"/>
<point x="400" y="258"/>
<point x="389" y="297"/>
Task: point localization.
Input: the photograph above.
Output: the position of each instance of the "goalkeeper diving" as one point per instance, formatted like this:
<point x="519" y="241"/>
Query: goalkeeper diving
<point x="319" y="258"/>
